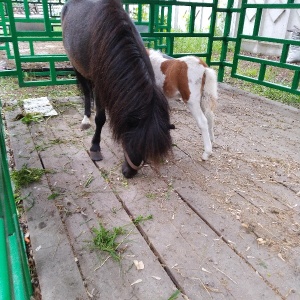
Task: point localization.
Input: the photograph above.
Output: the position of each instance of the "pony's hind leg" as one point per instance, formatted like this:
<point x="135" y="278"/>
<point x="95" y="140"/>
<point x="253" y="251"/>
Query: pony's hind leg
<point x="202" y="122"/>
<point x="85" y="86"/>
<point x="95" y="150"/>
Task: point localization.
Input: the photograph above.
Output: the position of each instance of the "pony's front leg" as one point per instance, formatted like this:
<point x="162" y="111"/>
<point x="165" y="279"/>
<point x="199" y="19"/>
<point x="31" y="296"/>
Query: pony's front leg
<point x="198" y="114"/>
<point x="85" y="86"/>
<point x="95" y="150"/>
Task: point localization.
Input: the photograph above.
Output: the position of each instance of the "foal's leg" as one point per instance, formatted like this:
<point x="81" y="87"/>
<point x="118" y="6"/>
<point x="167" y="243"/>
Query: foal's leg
<point x="86" y="87"/>
<point x="194" y="106"/>
<point x="95" y="150"/>
<point x="210" y="120"/>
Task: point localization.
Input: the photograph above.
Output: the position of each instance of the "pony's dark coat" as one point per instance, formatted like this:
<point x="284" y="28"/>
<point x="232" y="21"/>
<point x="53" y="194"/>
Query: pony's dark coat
<point x="106" y="50"/>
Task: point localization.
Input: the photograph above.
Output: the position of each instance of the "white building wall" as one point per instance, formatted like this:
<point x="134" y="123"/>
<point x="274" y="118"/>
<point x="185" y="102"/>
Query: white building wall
<point x="275" y="23"/>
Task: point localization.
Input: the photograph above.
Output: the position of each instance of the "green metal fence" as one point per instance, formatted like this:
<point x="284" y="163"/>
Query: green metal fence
<point x="264" y="63"/>
<point x="15" y="282"/>
<point x="154" y="20"/>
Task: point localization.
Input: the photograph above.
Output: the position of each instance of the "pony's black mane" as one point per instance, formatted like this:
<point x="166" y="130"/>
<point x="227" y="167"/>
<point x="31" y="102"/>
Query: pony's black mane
<point x="124" y="79"/>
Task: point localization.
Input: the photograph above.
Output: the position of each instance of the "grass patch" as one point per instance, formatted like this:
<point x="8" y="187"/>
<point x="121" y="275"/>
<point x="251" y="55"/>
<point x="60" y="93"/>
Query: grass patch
<point x="32" y="118"/>
<point x="175" y="295"/>
<point x="105" y="240"/>
<point x="10" y="90"/>
<point x="26" y="176"/>
<point x="150" y="195"/>
<point x="141" y="218"/>
<point x="53" y="196"/>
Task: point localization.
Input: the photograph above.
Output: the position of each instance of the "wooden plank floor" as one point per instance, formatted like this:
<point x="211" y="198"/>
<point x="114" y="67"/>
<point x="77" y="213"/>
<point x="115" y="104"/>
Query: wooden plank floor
<point x="227" y="228"/>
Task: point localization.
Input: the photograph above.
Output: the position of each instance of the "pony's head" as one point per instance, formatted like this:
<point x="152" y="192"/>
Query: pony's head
<point x="146" y="135"/>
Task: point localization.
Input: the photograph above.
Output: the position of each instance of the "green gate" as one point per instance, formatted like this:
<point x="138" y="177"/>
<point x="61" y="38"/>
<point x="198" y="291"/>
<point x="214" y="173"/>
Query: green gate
<point x="39" y="22"/>
<point x="15" y="281"/>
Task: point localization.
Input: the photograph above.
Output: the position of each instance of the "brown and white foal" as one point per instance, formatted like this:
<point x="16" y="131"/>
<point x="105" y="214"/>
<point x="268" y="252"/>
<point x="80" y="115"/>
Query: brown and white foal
<point x="190" y="78"/>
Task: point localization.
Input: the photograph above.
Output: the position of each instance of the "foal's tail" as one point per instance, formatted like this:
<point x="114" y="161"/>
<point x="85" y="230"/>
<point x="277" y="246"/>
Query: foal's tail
<point x="209" y="90"/>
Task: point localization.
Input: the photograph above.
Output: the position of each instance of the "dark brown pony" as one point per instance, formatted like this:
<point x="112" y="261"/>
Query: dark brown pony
<point x="111" y="63"/>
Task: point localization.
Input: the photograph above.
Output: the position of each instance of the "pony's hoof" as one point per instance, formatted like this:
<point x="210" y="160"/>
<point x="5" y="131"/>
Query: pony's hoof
<point x="85" y="126"/>
<point x="85" y="123"/>
<point x="96" y="155"/>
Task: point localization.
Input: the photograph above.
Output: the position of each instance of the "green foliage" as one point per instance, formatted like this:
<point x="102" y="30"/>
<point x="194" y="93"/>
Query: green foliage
<point x="53" y="196"/>
<point x="175" y="295"/>
<point x="190" y="45"/>
<point x="141" y="218"/>
<point x="31" y="117"/>
<point x="105" y="240"/>
<point x="25" y="176"/>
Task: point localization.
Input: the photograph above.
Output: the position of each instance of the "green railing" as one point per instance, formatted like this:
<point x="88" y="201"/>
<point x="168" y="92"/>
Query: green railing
<point x="15" y="282"/>
<point x="154" y="20"/>
<point x="264" y="63"/>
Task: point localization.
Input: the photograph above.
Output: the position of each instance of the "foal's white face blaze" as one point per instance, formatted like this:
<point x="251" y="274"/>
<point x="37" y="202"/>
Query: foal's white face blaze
<point x="189" y="78"/>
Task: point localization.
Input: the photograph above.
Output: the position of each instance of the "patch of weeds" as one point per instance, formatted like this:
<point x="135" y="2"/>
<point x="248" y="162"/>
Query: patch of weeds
<point x="53" y="196"/>
<point x="263" y="264"/>
<point x="10" y="107"/>
<point x="10" y="90"/>
<point x="105" y="240"/>
<point x="114" y="210"/>
<point x="150" y="196"/>
<point x="62" y="107"/>
<point x="141" y="218"/>
<point x="125" y="182"/>
<point x="89" y="180"/>
<point x="167" y="194"/>
<point x="19" y="202"/>
<point x="175" y="295"/>
<point x="40" y="148"/>
<point x="31" y="117"/>
<point x="105" y="175"/>
<point x="25" y="176"/>
<point x="56" y="141"/>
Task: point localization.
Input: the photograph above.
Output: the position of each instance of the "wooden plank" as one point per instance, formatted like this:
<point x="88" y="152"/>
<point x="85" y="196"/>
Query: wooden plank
<point x="274" y="269"/>
<point x="93" y="204"/>
<point x="186" y="244"/>
<point x="59" y="277"/>
<point x="230" y="179"/>
<point x="196" y="283"/>
<point x="207" y="216"/>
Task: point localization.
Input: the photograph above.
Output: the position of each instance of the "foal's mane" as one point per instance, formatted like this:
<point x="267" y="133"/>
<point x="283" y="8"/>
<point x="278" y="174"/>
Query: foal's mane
<point x="124" y="80"/>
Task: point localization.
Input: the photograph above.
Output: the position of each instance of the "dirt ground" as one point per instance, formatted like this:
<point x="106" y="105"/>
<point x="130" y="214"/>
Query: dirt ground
<point x="227" y="228"/>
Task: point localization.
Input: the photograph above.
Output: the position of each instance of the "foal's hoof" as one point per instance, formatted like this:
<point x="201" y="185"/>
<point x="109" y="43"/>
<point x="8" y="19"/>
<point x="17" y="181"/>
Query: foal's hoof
<point x="96" y="155"/>
<point x="205" y="156"/>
